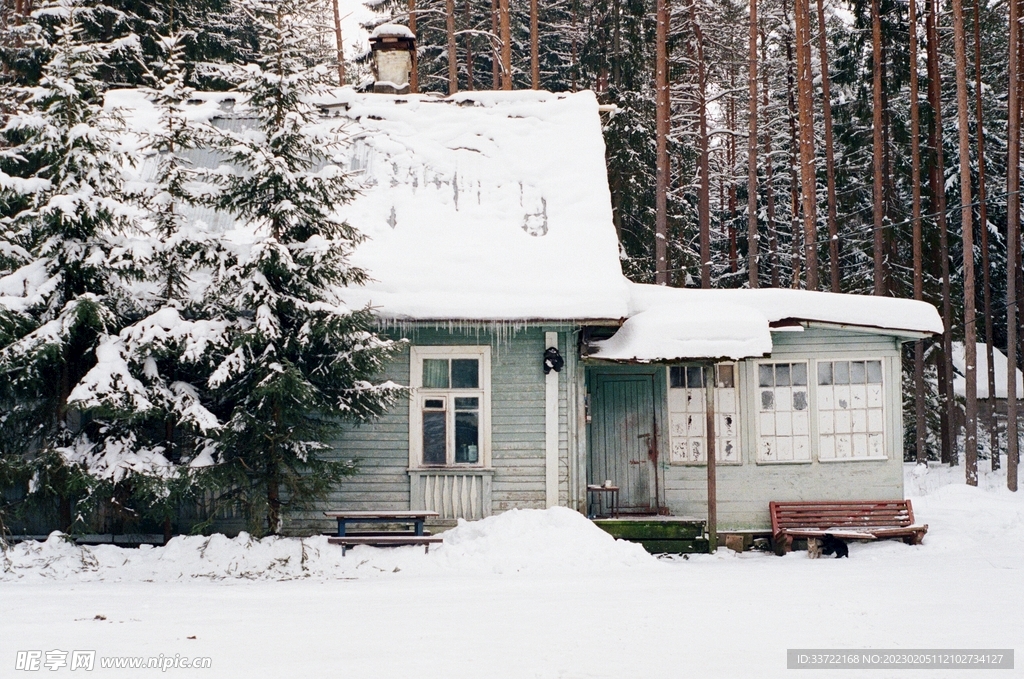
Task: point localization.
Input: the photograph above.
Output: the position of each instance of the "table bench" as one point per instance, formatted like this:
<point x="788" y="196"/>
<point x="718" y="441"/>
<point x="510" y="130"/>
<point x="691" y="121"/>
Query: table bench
<point x="846" y="520"/>
<point x="415" y="518"/>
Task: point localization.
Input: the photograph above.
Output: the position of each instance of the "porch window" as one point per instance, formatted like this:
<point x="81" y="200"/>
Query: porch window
<point x="688" y="414"/>
<point x="449" y="406"/>
<point x="851" y="413"/>
<point x="783" y="431"/>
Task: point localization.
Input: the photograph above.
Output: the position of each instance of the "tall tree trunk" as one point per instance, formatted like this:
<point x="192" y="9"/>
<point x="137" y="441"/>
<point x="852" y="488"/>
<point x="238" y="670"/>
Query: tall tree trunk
<point x="915" y="181"/>
<point x="1013" y="142"/>
<point x="769" y="171"/>
<point x="808" y="184"/>
<point x="967" y="227"/>
<point x="947" y="419"/>
<point x="497" y="52"/>
<point x="453" y="63"/>
<point x="506" y="44"/>
<point x="414" y="77"/>
<point x="753" y="240"/>
<point x="467" y="13"/>
<point x="534" y="46"/>
<point x="340" y="45"/>
<point x="704" y="197"/>
<point x="877" y="151"/>
<point x="794" y="191"/>
<point x="835" y="272"/>
<point x="661" y="131"/>
<point x="990" y="404"/>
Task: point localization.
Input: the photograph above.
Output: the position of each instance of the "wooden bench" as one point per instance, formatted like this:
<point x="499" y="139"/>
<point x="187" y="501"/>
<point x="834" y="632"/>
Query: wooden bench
<point x="396" y="540"/>
<point x="415" y="518"/>
<point x="847" y="520"/>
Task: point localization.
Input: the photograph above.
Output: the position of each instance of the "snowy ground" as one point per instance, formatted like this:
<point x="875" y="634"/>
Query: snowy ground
<point x="527" y="594"/>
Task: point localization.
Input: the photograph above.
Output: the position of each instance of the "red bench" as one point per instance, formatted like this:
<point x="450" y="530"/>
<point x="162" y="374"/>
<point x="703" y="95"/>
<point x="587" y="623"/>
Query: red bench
<point x="847" y="520"/>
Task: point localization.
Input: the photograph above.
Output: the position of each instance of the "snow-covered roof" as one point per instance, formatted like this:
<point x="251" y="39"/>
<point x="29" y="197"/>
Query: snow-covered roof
<point x="483" y="206"/>
<point x="998" y="361"/>
<point x="495" y="206"/>
<point x="668" y="324"/>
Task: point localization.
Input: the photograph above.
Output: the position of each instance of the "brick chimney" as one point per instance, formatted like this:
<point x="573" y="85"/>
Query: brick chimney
<point x="392" y="46"/>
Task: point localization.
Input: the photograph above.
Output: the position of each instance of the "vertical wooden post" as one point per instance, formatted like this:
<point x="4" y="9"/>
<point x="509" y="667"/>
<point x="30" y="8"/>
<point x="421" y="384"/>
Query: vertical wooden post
<point x="753" y="240"/>
<point x="877" y="150"/>
<point x="1013" y="242"/>
<point x="453" y="62"/>
<point x="709" y="397"/>
<point x="534" y="46"/>
<point x="506" y="44"/>
<point x="551" y="428"/>
<point x="661" y="133"/>
<point x="340" y="45"/>
<point x="414" y="78"/>
<point x="967" y="234"/>
<point x="835" y="272"/>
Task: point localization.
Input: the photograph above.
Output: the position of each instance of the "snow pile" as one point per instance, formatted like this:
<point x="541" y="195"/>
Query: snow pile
<point x="998" y="361"/>
<point x="556" y="540"/>
<point x="682" y="323"/>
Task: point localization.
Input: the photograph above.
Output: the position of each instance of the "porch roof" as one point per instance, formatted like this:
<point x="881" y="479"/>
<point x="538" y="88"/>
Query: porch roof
<point x="668" y="324"/>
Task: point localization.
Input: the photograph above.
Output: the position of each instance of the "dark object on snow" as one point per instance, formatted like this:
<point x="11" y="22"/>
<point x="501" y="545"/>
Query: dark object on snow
<point x="830" y="545"/>
<point x="553" y="360"/>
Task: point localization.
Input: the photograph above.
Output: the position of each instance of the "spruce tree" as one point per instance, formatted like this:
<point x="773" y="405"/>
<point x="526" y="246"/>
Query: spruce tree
<point x="299" y="362"/>
<point x="67" y="231"/>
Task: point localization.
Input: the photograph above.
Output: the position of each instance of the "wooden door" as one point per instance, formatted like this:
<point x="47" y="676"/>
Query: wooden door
<point x="622" y="429"/>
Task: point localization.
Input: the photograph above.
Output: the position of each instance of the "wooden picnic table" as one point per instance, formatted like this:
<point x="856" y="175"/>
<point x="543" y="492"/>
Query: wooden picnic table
<point x="414" y="517"/>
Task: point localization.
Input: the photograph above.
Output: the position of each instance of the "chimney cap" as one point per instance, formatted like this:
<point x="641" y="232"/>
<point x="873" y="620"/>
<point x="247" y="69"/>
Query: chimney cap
<point x="392" y="31"/>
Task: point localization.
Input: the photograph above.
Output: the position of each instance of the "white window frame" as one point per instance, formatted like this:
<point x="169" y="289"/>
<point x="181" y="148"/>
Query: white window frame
<point x="758" y="413"/>
<point x="418" y="394"/>
<point x="881" y="430"/>
<point x="675" y="411"/>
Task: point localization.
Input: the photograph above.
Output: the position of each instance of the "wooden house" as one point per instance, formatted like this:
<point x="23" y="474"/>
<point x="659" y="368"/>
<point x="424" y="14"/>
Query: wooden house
<point x="536" y="369"/>
<point x="491" y="242"/>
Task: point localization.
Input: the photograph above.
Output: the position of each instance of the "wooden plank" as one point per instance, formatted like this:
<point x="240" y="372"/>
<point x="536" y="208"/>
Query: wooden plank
<point x="382" y="514"/>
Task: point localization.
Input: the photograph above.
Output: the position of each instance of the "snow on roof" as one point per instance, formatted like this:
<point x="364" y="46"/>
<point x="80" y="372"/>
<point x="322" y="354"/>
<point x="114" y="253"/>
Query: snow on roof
<point x="668" y="324"/>
<point x="483" y="206"/>
<point x="998" y="361"/>
<point x="392" y="30"/>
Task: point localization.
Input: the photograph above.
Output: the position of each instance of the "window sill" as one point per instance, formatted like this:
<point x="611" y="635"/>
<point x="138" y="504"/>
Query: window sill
<point x="451" y="470"/>
<point x="772" y="463"/>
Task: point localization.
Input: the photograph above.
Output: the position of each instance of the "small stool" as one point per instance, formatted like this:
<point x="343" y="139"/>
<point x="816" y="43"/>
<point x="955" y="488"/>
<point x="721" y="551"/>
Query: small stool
<point x="600" y="491"/>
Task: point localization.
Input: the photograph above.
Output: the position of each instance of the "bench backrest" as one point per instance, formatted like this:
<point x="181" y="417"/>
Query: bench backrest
<point x="841" y="514"/>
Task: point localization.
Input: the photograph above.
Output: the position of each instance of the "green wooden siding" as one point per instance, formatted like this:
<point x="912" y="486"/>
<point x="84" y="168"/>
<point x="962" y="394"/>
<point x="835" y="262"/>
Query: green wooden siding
<point x="517" y="427"/>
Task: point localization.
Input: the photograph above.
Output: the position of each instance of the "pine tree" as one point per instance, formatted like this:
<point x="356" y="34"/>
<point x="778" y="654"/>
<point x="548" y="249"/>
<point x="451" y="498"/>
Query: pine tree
<point x="72" y="226"/>
<point x="298" y="362"/>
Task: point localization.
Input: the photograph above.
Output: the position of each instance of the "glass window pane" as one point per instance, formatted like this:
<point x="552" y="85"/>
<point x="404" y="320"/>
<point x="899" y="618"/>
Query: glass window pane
<point x="435" y="373"/>
<point x="782" y="375"/>
<point x="824" y="372"/>
<point x="465" y="373"/>
<point x="842" y="372"/>
<point x="467" y="428"/>
<point x="857" y="372"/>
<point x="767" y="400"/>
<point x="433" y="403"/>
<point x="765" y="376"/>
<point x="434" y="431"/>
<point x="874" y="372"/>
<point x="467" y="404"/>
<point x="725" y="376"/>
<point x="677" y="378"/>
<point x="799" y="374"/>
<point x="799" y="400"/>
<point x="694" y="376"/>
